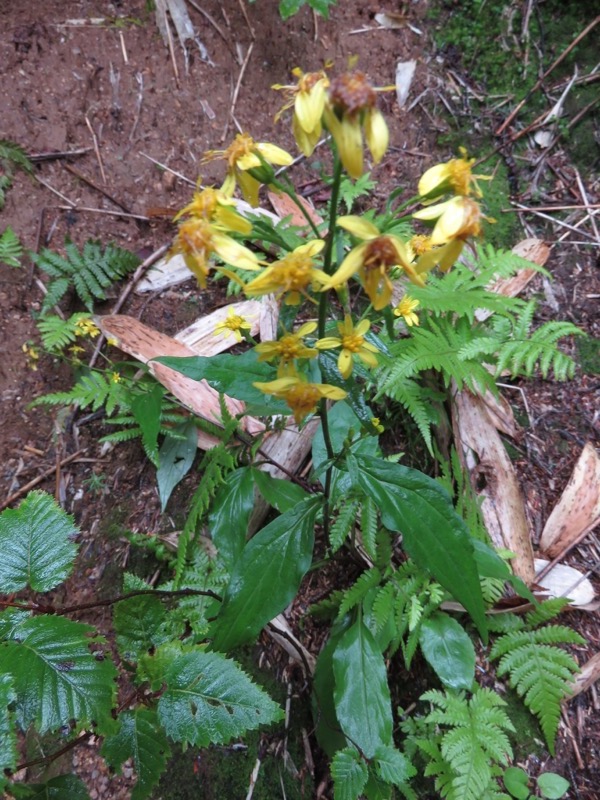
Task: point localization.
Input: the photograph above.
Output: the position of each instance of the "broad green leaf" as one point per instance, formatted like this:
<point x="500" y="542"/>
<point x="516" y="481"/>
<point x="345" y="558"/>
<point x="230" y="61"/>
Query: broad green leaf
<point x="63" y="787"/>
<point x="356" y="397"/>
<point x="36" y="543"/>
<point x="141" y="738"/>
<point x="327" y="728"/>
<point x="210" y="700"/>
<point x="175" y="459"/>
<point x="350" y="773"/>
<point x="56" y="678"/>
<point x="552" y="786"/>
<point x="278" y="492"/>
<point x="490" y="565"/>
<point x="266" y="576"/>
<point x="321" y="6"/>
<point x="230" y="513"/>
<point x="234" y="376"/>
<point x="146" y="408"/>
<point x="287" y="8"/>
<point x="433" y="534"/>
<point x="449" y="649"/>
<point x="377" y="789"/>
<point x="393" y="766"/>
<point x="362" y="695"/>
<point x="515" y="782"/>
<point x="8" y="738"/>
<point x="140" y="625"/>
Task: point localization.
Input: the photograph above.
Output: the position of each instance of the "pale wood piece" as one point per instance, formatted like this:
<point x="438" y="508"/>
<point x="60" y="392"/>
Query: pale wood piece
<point x="578" y="510"/>
<point x="587" y="677"/>
<point x="285" y="207"/>
<point x="481" y="450"/>
<point x="565" y="581"/>
<point x="200" y="336"/>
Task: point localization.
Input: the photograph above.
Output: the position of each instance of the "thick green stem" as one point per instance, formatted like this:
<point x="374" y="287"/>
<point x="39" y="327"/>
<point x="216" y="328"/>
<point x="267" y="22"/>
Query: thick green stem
<point x="288" y="189"/>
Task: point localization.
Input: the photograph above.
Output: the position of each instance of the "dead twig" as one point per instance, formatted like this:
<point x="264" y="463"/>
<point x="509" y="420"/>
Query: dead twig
<point x="550" y="69"/>
<point x="212" y="22"/>
<point x="240" y="78"/>
<point x="123" y="214"/>
<point x="96" y="148"/>
<point x="24" y="489"/>
<point x="168" y="169"/>
<point x="39" y="157"/>
<point x="95" y="186"/>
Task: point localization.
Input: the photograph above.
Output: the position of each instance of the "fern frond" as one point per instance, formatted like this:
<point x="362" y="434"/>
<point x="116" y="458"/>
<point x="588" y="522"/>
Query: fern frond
<point x="383" y="606"/>
<point x="91" y="390"/>
<point x="12" y="154"/>
<point x="89" y="272"/>
<point x="343" y="524"/>
<point x="540" y="672"/>
<point x="417" y="401"/>
<point x="57" y="333"/>
<point x="368" y="526"/>
<point x="546" y="611"/>
<point x="356" y="593"/>
<point x="11" y="249"/>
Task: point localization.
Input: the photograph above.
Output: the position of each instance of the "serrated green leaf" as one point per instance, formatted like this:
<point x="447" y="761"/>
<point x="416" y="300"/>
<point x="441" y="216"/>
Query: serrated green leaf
<point x="350" y="773"/>
<point x="175" y="459"/>
<point x="393" y="766"/>
<point x="141" y="624"/>
<point x="230" y="513"/>
<point x="234" y="376"/>
<point x="362" y="695"/>
<point x="63" y="787"/>
<point x="210" y="700"/>
<point x="146" y="409"/>
<point x="322" y="7"/>
<point x="287" y="8"/>
<point x="449" y="650"/>
<point x="141" y="738"/>
<point x="55" y="676"/>
<point x="266" y="576"/>
<point x="433" y="534"/>
<point x="36" y="542"/>
<point x="8" y="738"/>
<point x="279" y="493"/>
<point x="11" y="249"/>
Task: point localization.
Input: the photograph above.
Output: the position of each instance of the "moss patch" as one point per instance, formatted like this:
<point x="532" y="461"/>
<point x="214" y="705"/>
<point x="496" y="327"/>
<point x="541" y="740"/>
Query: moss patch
<point x="588" y="354"/>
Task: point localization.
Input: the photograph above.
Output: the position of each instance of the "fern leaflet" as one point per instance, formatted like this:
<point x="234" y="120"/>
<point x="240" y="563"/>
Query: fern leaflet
<point x="11" y="249"/>
<point x="343" y="524"/>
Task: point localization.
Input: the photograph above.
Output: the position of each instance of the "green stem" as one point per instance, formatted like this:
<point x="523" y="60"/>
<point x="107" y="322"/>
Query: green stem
<point x="288" y="189"/>
<point x="323" y="307"/>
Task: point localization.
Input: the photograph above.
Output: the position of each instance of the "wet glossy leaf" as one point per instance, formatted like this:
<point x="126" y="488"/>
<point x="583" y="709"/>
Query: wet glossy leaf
<point x="229" y="515"/>
<point x="350" y="773"/>
<point x="449" y="649"/>
<point x="175" y="459"/>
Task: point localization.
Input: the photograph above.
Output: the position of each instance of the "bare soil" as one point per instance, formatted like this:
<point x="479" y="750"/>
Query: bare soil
<point x="65" y="80"/>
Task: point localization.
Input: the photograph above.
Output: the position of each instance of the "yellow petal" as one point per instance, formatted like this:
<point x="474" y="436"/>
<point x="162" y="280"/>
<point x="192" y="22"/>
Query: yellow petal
<point x="276" y="386"/>
<point x="331" y="392"/>
<point x="274" y="154"/>
<point x="249" y="161"/>
<point x="234" y="253"/>
<point x="432" y="212"/>
<point x="348" y="138"/>
<point x="249" y="187"/>
<point x="369" y="358"/>
<point x="306" y="141"/>
<point x="228" y="187"/>
<point x="451" y="223"/>
<point x="349" y="266"/>
<point x="305" y="329"/>
<point x="376" y="134"/>
<point x="328" y="343"/>
<point x="433" y="179"/>
<point x="345" y="363"/>
<point x="231" y="220"/>
<point x="359" y="227"/>
<point x="311" y="248"/>
<point x="362" y="327"/>
<point x="308" y="107"/>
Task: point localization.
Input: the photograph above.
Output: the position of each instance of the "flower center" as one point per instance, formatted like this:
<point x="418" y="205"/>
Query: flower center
<point x="460" y="175"/>
<point x="234" y="322"/>
<point x="352" y="93"/>
<point x="242" y="145"/>
<point x="352" y="342"/>
<point x="293" y="272"/>
<point x="289" y="347"/>
<point x="195" y="236"/>
<point x="420" y="244"/>
<point x="302" y="399"/>
<point x="380" y="254"/>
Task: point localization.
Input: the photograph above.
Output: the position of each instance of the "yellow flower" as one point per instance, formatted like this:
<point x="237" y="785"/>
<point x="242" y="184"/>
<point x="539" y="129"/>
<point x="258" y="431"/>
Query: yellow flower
<point x="245" y="156"/>
<point x="234" y="324"/>
<point x="197" y="239"/>
<point x="308" y="99"/>
<point x="373" y="259"/>
<point x="291" y="275"/>
<point x="376" y="423"/>
<point x="215" y="207"/>
<point x="287" y="349"/>
<point x="350" y="110"/>
<point x="300" y="395"/>
<point x="85" y="327"/>
<point x="116" y="377"/>
<point x="455" y="175"/>
<point x="112" y="342"/>
<point x="406" y="309"/>
<point x="353" y="343"/>
<point x="456" y="218"/>
<point x="32" y="353"/>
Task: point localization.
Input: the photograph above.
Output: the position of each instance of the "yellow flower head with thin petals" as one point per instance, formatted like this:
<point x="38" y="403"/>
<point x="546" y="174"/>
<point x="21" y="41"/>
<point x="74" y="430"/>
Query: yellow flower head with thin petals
<point x="350" y="110"/>
<point x="288" y="348"/>
<point x="353" y="343"/>
<point x="232" y="325"/>
<point x="245" y="156"/>
<point x="301" y="396"/>
<point x="457" y="218"/>
<point x="454" y="175"/>
<point x="308" y="99"/>
<point x="290" y="276"/>
<point x="86" y="327"/>
<point x="406" y="310"/>
<point x="213" y="206"/>
<point x="372" y="260"/>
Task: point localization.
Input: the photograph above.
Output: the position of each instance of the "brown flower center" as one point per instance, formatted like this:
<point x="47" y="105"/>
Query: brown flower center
<point x="380" y="254"/>
<point x="352" y="93"/>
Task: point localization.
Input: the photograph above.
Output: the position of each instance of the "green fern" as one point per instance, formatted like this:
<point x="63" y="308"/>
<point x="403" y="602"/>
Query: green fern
<point x="539" y="670"/>
<point x="465" y="755"/>
<point x="416" y="399"/>
<point x="89" y="272"/>
<point x="344" y="523"/>
<point x="93" y="390"/>
<point x="12" y="156"/>
<point x="57" y="333"/>
<point x="356" y="593"/>
<point x="11" y="249"/>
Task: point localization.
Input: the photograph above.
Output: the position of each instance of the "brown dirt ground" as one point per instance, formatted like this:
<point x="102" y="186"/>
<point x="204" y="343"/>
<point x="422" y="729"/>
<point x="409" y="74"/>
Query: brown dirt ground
<point x="55" y="85"/>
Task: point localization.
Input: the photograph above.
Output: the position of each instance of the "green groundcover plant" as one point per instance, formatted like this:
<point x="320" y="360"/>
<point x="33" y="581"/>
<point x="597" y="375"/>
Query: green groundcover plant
<point x="376" y="313"/>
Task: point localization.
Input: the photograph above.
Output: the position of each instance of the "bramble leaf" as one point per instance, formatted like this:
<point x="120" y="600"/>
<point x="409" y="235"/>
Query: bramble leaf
<point x="210" y="700"/>
<point x="8" y="738"/>
<point x="141" y="738"/>
<point x="350" y="773"/>
<point x="56" y="678"/>
<point x="36" y="542"/>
